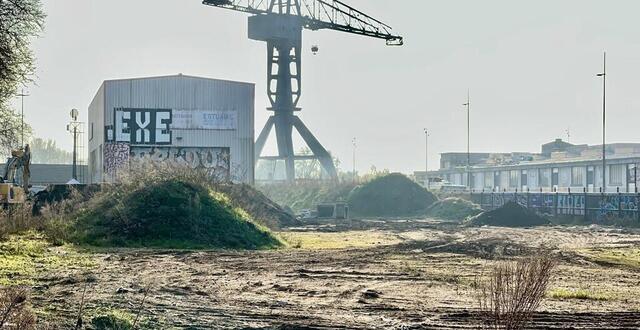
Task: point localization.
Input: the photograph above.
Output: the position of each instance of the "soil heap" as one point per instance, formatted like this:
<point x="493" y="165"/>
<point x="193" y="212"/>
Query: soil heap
<point x="169" y="214"/>
<point x="510" y="214"/>
<point x="453" y="208"/>
<point x="391" y="195"/>
<point x="262" y="209"/>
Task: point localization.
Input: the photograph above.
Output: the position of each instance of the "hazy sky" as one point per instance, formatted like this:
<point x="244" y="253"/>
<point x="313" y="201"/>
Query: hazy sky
<point x="530" y="66"/>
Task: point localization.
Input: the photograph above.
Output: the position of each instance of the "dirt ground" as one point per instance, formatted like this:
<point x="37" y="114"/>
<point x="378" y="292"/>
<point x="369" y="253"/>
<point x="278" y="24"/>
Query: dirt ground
<point x="384" y="274"/>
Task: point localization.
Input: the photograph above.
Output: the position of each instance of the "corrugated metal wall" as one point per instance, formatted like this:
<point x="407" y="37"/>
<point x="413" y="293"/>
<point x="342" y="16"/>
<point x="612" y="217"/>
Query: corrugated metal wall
<point x="190" y="93"/>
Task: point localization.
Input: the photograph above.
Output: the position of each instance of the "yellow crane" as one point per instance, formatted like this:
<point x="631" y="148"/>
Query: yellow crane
<point x="13" y="191"/>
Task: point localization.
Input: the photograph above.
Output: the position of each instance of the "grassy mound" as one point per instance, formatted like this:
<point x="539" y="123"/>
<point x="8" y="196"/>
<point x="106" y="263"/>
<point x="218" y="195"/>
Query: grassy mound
<point x="167" y="213"/>
<point x="261" y="208"/>
<point x="390" y="195"/>
<point x="510" y="214"/>
<point x="453" y="208"/>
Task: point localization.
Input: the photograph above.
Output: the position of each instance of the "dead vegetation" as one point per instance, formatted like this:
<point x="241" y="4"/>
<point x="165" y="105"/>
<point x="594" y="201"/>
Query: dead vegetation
<point x="15" y="314"/>
<point x="512" y="291"/>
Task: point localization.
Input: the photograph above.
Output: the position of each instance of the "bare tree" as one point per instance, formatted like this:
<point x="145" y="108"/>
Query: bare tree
<point x="513" y="291"/>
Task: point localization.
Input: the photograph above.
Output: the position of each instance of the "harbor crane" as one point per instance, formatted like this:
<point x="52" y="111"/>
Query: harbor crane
<point x="279" y="23"/>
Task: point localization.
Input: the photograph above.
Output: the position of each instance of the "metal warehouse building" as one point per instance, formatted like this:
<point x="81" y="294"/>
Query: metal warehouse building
<point x="195" y="121"/>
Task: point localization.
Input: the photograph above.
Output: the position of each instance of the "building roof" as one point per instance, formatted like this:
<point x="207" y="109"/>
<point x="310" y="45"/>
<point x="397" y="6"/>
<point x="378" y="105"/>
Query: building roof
<point x="180" y="75"/>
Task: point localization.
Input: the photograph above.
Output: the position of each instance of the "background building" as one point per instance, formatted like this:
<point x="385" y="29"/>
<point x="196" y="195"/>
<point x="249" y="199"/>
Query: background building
<point x="195" y="121"/>
<point x="561" y="166"/>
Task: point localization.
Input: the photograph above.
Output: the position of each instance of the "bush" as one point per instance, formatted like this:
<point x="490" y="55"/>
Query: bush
<point x="390" y="195"/>
<point x="453" y="208"/>
<point x="513" y="291"/>
<point x="14" y="312"/>
<point x="113" y="320"/>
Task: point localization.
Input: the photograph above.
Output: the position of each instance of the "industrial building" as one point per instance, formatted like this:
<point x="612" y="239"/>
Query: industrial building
<point x="199" y="122"/>
<point x="560" y="166"/>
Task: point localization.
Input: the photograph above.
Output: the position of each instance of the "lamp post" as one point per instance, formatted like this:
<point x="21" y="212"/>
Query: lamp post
<point x="22" y="95"/>
<point x="468" y="105"/>
<point x="73" y="129"/>
<point x="354" y="160"/>
<point x="604" y="122"/>
<point x="426" y="158"/>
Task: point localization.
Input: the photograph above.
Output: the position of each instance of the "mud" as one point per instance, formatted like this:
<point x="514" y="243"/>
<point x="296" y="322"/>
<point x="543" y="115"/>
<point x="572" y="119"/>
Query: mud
<point x="421" y="278"/>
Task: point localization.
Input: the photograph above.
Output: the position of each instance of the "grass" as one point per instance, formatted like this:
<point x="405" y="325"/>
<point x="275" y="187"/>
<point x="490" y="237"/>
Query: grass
<point x="166" y="213"/>
<point x="24" y="256"/>
<point x="114" y="319"/>
<point x="579" y="294"/>
<point x="338" y="240"/>
<point x="624" y="257"/>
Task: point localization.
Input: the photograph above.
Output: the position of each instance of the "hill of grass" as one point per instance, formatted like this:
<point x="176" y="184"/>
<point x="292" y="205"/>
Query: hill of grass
<point x="166" y="213"/>
<point x="390" y="195"/>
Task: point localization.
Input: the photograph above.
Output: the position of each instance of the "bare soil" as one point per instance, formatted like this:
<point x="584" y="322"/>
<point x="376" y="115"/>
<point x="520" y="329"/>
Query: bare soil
<point x="382" y="274"/>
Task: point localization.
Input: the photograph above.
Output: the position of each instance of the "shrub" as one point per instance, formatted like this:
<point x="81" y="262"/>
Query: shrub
<point x="513" y="291"/>
<point x="14" y="312"/>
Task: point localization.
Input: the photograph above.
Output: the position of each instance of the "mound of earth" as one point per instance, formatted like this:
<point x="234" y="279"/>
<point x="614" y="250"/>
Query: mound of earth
<point x="167" y="214"/>
<point x="390" y="195"/>
<point x="453" y="208"/>
<point x="262" y="209"/>
<point x="59" y="192"/>
<point x="510" y="214"/>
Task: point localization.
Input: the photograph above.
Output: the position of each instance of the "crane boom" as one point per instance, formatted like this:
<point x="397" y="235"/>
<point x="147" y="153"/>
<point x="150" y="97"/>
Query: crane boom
<point x="317" y="15"/>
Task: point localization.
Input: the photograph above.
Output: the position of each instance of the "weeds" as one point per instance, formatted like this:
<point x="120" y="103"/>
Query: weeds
<point x="579" y="294"/>
<point x="513" y="291"/>
<point x="14" y="312"/>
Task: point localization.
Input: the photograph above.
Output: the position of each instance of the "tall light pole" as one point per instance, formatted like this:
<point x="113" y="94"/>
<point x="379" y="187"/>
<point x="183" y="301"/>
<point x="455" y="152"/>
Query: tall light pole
<point x="22" y="95"/>
<point x="426" y="158"/>
<point x="604" y="122"/>
<point x="354" y="159"/>
<point x="468" y="105"/>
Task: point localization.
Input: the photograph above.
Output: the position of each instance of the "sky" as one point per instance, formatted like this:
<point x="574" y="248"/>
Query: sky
<point x="530" y="67"/>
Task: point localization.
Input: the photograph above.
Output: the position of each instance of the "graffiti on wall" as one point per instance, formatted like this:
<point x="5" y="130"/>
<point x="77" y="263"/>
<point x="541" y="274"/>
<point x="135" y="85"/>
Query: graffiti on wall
<point x="214" y="159"/>
<point x="116" y="156"/>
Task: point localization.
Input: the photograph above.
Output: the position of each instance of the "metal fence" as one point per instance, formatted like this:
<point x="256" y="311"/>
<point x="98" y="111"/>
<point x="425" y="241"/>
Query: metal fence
<point x="593" y="206"/>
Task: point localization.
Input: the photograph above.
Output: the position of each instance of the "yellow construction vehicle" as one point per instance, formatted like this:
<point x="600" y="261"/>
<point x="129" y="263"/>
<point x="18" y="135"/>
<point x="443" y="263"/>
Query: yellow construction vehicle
<point x="14" y="188"/>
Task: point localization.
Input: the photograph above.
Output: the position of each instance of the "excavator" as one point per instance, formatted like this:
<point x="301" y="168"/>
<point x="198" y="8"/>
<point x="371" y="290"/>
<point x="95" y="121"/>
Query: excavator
<point x="15" y="189"/>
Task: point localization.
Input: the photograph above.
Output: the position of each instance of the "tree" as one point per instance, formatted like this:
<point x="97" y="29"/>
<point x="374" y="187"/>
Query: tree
<point x="20" y="21"/>
<point x="47" y="152"/>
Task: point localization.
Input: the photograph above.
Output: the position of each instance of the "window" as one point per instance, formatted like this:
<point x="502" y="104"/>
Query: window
<point x="523" y="178"/>
<point x="91" y="132"/>
<point x="617" y="175"/>
<point x="555" y="177"/>
<point x="578" y="174"/>
<point x="488" y="179"/>
<point x="545" y="177"/>
<point x="513" y="179"/>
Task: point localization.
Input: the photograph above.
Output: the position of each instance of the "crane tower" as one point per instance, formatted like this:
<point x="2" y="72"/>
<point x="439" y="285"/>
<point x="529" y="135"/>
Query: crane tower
<point x="279" y="23"/>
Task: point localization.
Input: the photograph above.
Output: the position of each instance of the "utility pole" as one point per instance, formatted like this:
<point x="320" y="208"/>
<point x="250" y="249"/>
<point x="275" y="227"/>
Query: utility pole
<point x="354" y="160"/>
<point x="426" y="158"/>
<point x="468" y="105"/>
<point x="22" y="95"/>
<point x="604" y="122"/>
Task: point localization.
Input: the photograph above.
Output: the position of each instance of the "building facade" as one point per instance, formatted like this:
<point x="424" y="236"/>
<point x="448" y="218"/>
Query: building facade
<point x="560" y="167"/>
<point x="197" y="122"/>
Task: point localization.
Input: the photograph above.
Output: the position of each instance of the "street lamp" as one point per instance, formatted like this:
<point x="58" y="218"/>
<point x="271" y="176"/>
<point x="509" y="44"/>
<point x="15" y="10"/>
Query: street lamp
<point x="604" y="122"/>
<point x="468" y="105"/>
<point x="426" y="157"/>
<point x="354" y="159"/>
<point x="73" y="129"/>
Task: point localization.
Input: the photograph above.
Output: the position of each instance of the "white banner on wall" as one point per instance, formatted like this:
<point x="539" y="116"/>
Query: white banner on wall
<point x="203" y="119"/>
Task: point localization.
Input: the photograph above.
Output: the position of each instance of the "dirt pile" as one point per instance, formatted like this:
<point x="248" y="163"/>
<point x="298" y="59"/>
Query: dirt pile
<point x="307" y="195"/>
<point x="390" y="195"/>
<point x="510" y="214"/>
<point x="453" y="208"/>
<point x="263" y="210"/>
<point x="169" y="214"/>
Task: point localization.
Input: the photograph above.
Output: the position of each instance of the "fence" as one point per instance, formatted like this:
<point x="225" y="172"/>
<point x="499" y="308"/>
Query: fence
<point x="593" y="206"/>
